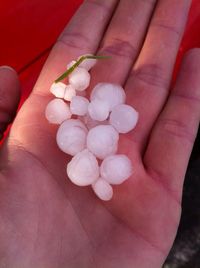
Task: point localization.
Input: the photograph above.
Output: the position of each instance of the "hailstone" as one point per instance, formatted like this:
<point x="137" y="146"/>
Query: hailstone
<point x="112" y="94"/>
<point x="115" y="169"/>
<point x="102" y="141"/>
<point x="71" y="136"/>
<point x="83" y="169"/>
<point x="123" y="118"/>
<point x="57" y="111"/>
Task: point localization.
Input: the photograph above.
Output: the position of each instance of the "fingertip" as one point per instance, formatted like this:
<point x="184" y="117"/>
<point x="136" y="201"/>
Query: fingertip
<point x="192" y="58"/>
<point x="9" y="96"/>
<point x="189" y="68"/>
<point x="193" y="51"/>
<point x="9" y="81"/>
<point x="9" y="70"/>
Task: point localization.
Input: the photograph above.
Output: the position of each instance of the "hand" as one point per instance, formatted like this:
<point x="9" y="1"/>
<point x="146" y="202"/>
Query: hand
<point x="46" y="222"/>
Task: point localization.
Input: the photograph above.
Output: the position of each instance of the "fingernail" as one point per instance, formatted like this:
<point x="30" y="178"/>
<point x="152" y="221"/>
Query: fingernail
<point x="6" y="67"/>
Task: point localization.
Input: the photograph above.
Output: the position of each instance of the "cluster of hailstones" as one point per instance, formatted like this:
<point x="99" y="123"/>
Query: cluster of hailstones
<point x="89" y="130"/>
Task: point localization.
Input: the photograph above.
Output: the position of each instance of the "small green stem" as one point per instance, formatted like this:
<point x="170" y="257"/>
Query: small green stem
<point x="76" y="64"/>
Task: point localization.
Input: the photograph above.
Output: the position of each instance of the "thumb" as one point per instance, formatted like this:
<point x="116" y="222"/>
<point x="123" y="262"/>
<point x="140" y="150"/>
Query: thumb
<point x="9" y="96"/>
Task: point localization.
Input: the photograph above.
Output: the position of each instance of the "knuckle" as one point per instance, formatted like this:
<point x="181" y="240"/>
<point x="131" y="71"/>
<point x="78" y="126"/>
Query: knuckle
<point x="119" y="48"/>
<point x="190" y="98"/>
<point x="150" y="75"/>
<point x="97" y="3"/>
<point x="178" y="129"/>
<point x="75" y="40"/>
<point x="164" y="26"/>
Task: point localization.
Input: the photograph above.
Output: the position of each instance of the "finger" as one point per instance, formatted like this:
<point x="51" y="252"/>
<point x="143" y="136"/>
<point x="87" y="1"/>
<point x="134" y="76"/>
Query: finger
<point x="82" y="35"/>
<point x="147" y="87"/>
<point x="122" y="40"/>
<point x="173" y="137"/>
<point x="10" y="96"/>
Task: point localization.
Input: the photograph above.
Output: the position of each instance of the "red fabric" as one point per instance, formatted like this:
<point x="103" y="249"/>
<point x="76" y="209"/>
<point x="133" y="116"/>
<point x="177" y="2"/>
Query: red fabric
<point x="29" y="27"/>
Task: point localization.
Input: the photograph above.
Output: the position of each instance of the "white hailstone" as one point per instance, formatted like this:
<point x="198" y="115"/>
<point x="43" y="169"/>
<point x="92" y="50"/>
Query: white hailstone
<point x="115" y="169"/>
<point x="103" y="189"/>
<point x="79" y="79"/>
<point x="83" y="169"/>
<point x="71" y="136"/>
<point x="69" y="65"/>
<point x="102" y="141"/>
<point x="98" y="110"/>
<point x="58" y="89"/>
<point x="87" y="63"/>
<point x="79" y="105"/>
<point x="70" y="92"/>
<point x="112" y="94"/>
<point x="57" y="111"/>
<point x="123" y="118"/>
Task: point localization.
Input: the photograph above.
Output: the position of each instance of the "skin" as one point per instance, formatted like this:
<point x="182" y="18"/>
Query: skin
<point x="46" y="221"/>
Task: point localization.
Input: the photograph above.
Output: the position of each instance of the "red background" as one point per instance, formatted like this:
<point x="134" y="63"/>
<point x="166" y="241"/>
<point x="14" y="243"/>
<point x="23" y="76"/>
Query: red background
<point x="30" y="28"/>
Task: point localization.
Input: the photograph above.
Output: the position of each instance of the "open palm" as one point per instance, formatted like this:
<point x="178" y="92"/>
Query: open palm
<point x="45" y="221"/>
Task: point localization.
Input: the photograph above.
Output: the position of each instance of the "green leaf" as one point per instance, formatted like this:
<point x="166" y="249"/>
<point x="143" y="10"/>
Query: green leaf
<point x="78" y="62"/>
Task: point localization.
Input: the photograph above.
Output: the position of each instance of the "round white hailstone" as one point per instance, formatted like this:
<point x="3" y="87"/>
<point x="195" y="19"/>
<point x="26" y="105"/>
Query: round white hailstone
<point x="58" y="89"/>
<point x="115" y="169"/>
<point x="69" y="65"/>
<point x="112" y="94"/>
<point x="98" y="110"/>
<point x="87" y="63"/>
<point x="83" y="169"/>
<point x="70" y="92"/>
<point x="102" y="141"/>
<point x="79" y="105"/>
<point x="79" y="79"/>
<point x="103" y="189"/>
<point x="71" y="136"/>
<point x="57" y="111"/>
<point x="124" y="118"/>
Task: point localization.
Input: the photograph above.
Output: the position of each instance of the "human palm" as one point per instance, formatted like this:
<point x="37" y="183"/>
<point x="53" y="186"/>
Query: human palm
<point x="45" y="220"/>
